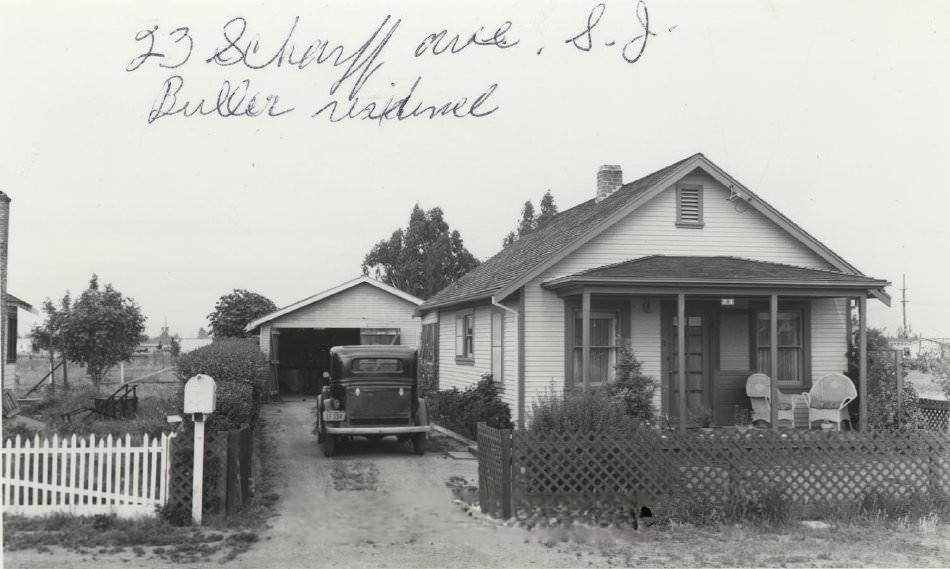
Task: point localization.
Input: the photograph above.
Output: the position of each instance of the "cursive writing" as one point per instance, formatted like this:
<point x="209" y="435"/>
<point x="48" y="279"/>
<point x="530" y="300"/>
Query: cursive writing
<point x="407" y="107"/>
<point x="439" y="43"/>
<point x="233" y="100"/>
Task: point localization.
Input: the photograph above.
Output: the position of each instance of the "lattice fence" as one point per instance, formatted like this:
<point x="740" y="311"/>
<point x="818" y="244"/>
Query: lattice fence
<point x="936" y="412"/>
<point x="494" y="470"/>
<point x="808" y="468"/>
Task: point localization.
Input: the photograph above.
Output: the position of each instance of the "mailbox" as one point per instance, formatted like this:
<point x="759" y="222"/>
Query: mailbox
<point x="199" y="394"/>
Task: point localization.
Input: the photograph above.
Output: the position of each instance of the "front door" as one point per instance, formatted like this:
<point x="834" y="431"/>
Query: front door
<point x="698" y="377"/>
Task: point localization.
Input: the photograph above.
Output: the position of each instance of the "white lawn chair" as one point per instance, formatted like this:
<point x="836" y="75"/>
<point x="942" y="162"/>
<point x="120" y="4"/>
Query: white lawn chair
<point x="828" y="399"/>
<point x="759" y="389"/>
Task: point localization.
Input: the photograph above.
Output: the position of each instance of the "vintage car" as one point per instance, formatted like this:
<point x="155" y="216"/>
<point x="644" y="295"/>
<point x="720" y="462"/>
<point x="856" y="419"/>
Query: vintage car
<point x="372" y="392"/>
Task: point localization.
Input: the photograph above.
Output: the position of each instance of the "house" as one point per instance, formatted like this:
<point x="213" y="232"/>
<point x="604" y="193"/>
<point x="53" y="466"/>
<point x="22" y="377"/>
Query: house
<point x="919" y="346"/>
<point x="9" y="305"/>
<point x="297" y="338"/>
<point x="688" y="244"/>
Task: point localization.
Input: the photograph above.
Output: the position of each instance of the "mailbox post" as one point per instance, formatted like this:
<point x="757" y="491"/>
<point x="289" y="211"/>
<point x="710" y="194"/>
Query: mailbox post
<point x="199" y="401"/>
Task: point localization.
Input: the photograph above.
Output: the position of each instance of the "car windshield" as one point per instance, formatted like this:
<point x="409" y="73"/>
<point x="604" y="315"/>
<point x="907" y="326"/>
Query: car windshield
<point x="376" y="365"/>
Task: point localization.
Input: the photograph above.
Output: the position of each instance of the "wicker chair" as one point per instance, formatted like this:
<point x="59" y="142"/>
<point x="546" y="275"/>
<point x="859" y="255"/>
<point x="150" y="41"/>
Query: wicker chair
<point x="759" y="389"/>
<point x="828" y="399"/>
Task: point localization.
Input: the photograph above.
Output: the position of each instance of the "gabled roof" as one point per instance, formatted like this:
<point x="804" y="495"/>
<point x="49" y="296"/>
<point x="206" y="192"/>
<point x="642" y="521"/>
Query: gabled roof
<point x="514" y="266"/>
<point x="714" y="270"/>
<point x="20" y="303"/>
<point x="328" y="293"/>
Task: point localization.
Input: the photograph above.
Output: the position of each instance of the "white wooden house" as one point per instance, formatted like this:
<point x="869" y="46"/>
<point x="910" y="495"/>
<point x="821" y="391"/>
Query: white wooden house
<point x="685" y="244"/>
<point x="297" y="338"/>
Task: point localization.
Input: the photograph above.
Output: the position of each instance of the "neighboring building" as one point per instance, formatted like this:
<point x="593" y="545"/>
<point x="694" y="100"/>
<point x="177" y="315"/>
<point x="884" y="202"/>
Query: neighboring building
<point x="10" y="304"/>
<point x="686" y="244"/>
<point x="916" y="347"/>
<point x="160" y="343"/>
<point x="298" y="337"/>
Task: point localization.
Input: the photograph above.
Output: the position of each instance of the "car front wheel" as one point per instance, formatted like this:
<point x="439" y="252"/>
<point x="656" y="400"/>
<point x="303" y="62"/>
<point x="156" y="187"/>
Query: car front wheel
<point x="329" y="445"/>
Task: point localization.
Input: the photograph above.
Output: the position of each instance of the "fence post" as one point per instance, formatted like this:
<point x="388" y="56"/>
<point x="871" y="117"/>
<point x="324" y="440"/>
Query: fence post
<point x="506" y="440"/>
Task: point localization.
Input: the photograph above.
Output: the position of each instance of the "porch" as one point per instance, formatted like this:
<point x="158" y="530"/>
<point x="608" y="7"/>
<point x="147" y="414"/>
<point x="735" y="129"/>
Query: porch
<point x="741" y="316"/>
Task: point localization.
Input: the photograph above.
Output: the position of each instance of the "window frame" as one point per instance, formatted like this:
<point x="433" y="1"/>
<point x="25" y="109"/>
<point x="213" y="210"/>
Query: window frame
<point x="573" y="311"/>
<point x="465" y="337"/>
<point x="803" y="311"/>
<point x="498" y="346"/>
<point x="692" y="224"/>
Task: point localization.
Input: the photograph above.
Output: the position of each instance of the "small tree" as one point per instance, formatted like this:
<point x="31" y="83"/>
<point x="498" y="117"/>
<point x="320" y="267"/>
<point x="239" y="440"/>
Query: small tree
<point x="634" y="389"/>
<point x="101" y="329"/>
<point x="48" y="336"/>
<point x="235" y="310"/>
<point x="531" y="221"/>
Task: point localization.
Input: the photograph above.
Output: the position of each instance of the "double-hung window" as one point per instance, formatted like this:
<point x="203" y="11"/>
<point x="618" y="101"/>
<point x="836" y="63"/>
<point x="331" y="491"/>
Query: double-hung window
<point x="465" y="336"/>
<point x="790" y="346"/>
<point x="604" y="327"/>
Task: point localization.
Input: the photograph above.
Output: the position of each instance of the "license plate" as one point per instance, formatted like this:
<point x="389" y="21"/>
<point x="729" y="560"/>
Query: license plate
<point x="334" y="415"/>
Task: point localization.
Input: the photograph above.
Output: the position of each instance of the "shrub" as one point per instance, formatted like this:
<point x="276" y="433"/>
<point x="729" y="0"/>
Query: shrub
<point x="239" y="370"/>
<point x="226" y="359"/>
<point x="633" y="389"/>
<point x="580" y="411"/>
<point x="237" y="404"/>
<point x="461" y="411"/>
<point x="882" y="395"/>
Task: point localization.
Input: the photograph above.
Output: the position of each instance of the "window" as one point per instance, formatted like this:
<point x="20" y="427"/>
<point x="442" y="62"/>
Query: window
<point x="689" y="205"/>
<point x="790" y="344"/>
<point x="379" y="336"/>
<point x="377" y="365"/>
<point x="604" y="327"/>
<point x="497" y="346"/>
<point x="465" y="337"/>
<point x="11" y="335"/>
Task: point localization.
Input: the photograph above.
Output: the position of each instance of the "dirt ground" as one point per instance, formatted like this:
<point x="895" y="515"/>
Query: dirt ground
<point x="382" y="506"/>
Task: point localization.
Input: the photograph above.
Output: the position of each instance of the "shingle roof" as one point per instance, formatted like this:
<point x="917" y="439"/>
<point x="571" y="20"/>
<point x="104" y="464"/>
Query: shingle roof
<point x="532" y="250"/>
<point x="721" y="270"/>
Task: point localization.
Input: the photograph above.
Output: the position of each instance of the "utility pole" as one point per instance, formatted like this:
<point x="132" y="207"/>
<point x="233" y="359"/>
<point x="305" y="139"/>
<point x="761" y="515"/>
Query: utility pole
<point x="904" y="305"/>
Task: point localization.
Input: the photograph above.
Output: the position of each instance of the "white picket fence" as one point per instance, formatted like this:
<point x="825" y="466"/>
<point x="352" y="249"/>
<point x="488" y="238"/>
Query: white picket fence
<point x="84" y="476"/>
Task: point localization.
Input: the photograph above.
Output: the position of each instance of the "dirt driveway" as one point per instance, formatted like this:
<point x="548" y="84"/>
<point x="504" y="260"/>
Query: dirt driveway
<point x="373" y="505"/>
<point x="378" y="506"/>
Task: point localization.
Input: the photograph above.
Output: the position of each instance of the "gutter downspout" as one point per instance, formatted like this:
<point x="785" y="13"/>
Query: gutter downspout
<point x="520" y="385"/>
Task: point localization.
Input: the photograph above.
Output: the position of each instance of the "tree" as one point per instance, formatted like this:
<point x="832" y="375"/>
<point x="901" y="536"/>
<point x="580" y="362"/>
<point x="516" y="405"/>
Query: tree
<point x="48" y="336"/>
<point x="202" y="333"/>
<point x="423" y="258"/>
<point x="101" y="329"/>
<point x="530" y="221"/>
<point x="235" y="310"/>
<point x="548" y="210"/>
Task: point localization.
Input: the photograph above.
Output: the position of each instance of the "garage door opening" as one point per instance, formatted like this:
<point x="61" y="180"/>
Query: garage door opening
<point x="304" y="353"/>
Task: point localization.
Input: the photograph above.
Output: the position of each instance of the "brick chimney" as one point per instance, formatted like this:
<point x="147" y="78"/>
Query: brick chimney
<point x="4" y="238"/>
<point x="609" y="178"/>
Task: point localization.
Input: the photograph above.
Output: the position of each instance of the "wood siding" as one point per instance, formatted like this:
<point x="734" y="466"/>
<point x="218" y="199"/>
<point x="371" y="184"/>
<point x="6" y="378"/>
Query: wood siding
<point x="452" y="374"/>
<point x="829" y="336"/>
<point x="729" y="228"/>
<point x="646" y="339"/>
<point x="362" y="306"/>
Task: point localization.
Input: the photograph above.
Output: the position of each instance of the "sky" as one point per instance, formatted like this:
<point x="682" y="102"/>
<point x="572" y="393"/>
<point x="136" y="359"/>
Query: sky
<point x="834" y="112"/>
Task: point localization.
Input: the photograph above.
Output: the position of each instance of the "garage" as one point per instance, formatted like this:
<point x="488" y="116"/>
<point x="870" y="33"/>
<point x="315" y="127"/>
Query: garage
<point x="297" y="338"/>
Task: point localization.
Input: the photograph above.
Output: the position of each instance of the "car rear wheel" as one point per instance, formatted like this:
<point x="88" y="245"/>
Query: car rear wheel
<point x="419" y="443"/>
<point x="329" y="445"/>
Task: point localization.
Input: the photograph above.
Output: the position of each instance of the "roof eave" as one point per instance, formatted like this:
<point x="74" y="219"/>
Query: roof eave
<point x="424" y="308"/>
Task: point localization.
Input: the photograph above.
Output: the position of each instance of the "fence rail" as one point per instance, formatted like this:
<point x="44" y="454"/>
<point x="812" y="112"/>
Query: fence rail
<point x="807" y="468"/>
<point x="84" y="476"/>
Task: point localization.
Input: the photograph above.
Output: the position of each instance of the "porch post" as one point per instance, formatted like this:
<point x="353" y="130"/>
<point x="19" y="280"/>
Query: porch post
<point x="862" y="362"/>
<point x="773" y="356"/>
<point x="585" y="338"/>
<point x="681" y="356"/>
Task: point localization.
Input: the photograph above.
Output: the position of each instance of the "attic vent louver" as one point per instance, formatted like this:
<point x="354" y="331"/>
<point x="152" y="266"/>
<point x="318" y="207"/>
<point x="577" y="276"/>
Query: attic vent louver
<point x="689" y="205"/>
